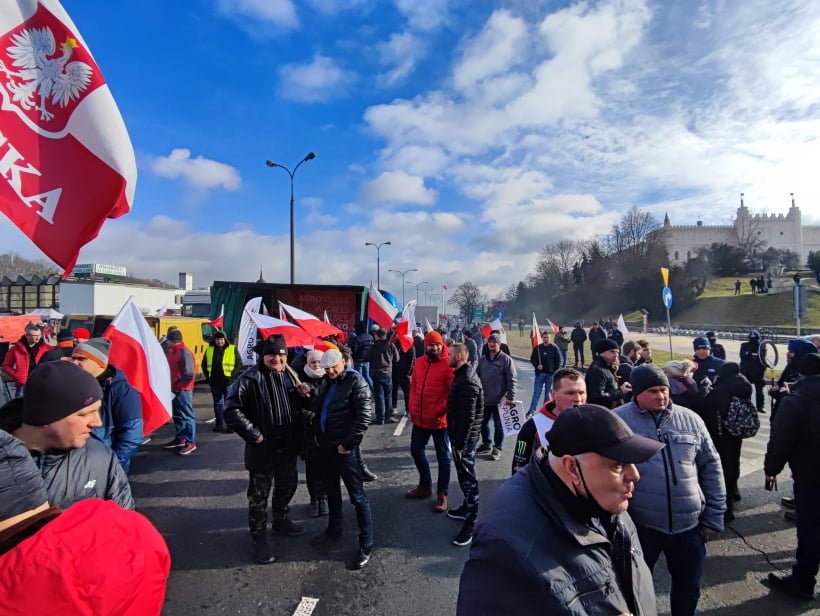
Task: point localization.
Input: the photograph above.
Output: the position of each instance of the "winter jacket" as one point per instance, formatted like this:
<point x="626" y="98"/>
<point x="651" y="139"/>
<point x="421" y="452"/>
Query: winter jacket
<point x="249" y="413"/>
<point x="718" y="350"/>
<point x="465" y="407"/>
<point x="552" y="560"/>
<point x="546" y="355"/>
<point x="561" y="341"/>
<point x="602" y="386"/>
<point x="707" y="368"/>
<point x="403" y="368"/>
<point x="121" y="414"/>
<point x="795" y="434"/>
<point x="382" y="357"/>
<point x="682" y="485"/>
<point x="716" y="405"/>
<point x="214" y="364"/>
<point x="349" y="410"/>
<point x="181" y="363"/>
<point x="429" y="388"/>
<point x="499" y="378"/>
<point x="62" y="351"/>
<point x="93" y="558"/>
<point x="362" y="347"/>
<point x="685" y="392"/>
<point x="596" y="334"/>
<point x="618" y="336"/>
<point x="750" y="365"/>
<point x="529" y="437"/>
<point x="18" y="359"/>
<point x="578" y="336"/>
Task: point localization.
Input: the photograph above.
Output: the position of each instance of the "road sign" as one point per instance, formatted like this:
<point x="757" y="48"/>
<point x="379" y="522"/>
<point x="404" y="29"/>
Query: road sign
<point x="478" y="313"/>
<point x="667" y="297"/>
<point x="501" y="306"/>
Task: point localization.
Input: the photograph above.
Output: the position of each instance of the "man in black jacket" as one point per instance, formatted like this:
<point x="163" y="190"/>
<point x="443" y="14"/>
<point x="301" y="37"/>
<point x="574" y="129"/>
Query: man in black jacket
<point x="402" y="370"/>
<point x="383" y="357"/>
<point x="265" y="409"/>
<point x="578" y="338"/>
<point x="596" y="334"/>
<point x="793" y="440"/>
<point x="361" y="349"/>
<point x="546" y="359"/>
<point x="602" y="385"/>
<point x="342" y="414"/>
<point x="751" y="366"/>
<point x="465" y="408"/>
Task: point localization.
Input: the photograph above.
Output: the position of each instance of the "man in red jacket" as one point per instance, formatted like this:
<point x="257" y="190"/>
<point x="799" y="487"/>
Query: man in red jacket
<point x="181" y="362"/>
<point x="429" y="388"/>
<point x="23" y="355"/>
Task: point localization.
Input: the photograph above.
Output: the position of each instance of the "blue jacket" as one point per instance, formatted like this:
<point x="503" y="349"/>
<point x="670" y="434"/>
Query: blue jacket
<point x="708" y="367"/>
<point x="121" y="414"/>
<point x="681" y="486"/>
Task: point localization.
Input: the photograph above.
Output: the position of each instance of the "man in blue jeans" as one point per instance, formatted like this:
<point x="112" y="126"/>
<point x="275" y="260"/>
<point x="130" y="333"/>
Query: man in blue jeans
<point x="499" y="380"/>
<point x="546" y="359"/>
<point x="181" y="363"/>
<point x="383" y="356"/>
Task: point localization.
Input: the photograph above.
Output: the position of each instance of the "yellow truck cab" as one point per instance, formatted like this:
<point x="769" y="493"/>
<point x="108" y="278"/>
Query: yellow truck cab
<point x="196" y="332"/>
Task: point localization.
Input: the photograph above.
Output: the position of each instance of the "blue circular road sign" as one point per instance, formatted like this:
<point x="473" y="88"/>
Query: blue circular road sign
<point x="667" y="297"/>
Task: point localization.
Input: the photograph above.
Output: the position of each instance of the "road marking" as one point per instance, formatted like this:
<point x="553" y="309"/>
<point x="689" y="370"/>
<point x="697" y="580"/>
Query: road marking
<point x="306" y="606"/>
<point x="400" y="426"/>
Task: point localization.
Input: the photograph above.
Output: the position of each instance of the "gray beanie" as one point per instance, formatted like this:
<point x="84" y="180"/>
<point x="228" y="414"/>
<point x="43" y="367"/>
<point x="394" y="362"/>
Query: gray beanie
<point x="95" y="349"/>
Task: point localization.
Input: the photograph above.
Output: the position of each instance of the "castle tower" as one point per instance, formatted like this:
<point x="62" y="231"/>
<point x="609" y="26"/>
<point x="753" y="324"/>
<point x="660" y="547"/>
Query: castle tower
<point x="666" y="221"/>
<point x="796" y="219"/>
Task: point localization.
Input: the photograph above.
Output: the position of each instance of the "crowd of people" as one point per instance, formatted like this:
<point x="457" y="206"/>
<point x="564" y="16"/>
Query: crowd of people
<point x="622" y="461"/>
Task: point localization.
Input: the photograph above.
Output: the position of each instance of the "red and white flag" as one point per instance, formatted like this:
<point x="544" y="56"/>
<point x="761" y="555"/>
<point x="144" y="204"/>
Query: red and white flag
<point x="160" y="312"/>
<point x="494" y="325"/>
<point x="536" y="333"/>
<point x="67" y="161"/>
<point x="380" y="310"/>
<point x="294" y="335"/>
<point x="219" y="322"/>
<point x="309" y="322"/>
<point x="443" y="286"/>
<point x="553" y="327"/>
<point x="136" y="351"/>
<point x="327" y="318"/>
<point x="406" y="325"/>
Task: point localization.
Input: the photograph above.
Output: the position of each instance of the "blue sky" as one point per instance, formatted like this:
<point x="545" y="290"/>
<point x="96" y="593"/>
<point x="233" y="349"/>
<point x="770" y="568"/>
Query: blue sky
<point x="468" y="134"/>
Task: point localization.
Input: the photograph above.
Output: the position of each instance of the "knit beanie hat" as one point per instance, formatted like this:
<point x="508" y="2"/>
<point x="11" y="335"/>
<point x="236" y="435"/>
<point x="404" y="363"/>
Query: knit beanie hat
<point x="81" y="333"/>
<point x="314" y="355"/>
<point x="274" y="345"/>
<point x="219" y="334"/>
<point x="57" y="389"/>
<point x="95" y="349"/>
<point x="21" y="486"/>
<point x="809" y="365"/>
<point x="330" y="358"/>
<point x="607" y="344"/>
<point x="801" y="347"/>
<point x="678" y="367"/>
<point x="64" y="335"/>
<point x="433" y="337"/>
<point x="646" y="376"/>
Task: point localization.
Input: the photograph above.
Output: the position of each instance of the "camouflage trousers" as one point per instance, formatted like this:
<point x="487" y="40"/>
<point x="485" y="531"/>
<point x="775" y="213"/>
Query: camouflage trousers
<point x="283" y="480"/>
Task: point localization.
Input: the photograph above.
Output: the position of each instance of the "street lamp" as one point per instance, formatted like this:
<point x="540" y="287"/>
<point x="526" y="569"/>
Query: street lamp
<point x="418" y="284"/>
<point x="270" y="163"/>
<point x="403" y="273"/>
<point x="378" y="248"/>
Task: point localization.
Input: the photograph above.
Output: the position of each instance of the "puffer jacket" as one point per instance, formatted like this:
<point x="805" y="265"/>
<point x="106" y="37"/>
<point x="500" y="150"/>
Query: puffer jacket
<point x="121" y="414"/>
<point x="682" y="485"/>
<point x="248" y="412"/>
<point x="602" y="385"/>
<point x="16" y="362"/>
<point x="550" y="561"/>
<point x="796" y="433"/>
<point x="499" y="378"/>
<point x="429" y="388"/>
<point x="465" y="407"/>
<point x="348" y="413"/>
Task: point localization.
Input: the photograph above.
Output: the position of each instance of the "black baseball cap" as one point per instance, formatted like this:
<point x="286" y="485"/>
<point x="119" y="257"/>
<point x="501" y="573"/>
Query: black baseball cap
<point x="592" y="428"/>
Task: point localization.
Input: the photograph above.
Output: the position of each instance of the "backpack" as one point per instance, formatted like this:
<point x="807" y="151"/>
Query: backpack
<point x="741" y="419"/>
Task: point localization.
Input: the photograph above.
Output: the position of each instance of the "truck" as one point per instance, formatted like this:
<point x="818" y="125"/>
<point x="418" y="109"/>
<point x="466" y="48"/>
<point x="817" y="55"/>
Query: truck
<point x="196" y="303"/>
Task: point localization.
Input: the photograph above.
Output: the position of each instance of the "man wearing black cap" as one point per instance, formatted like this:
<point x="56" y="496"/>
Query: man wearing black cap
<point x="55" y="419"/>
<point x="706" y="364"/>
<point x="752" y="367"/>
<point x="265" y="409"/>
<point x="680" y="503"/>
<point x="794" y="440"/>
<point x="718" y="350"/>
<point x="602" y="384"/>
<point x="585" y="551"/>
<point x="219" y="365"/>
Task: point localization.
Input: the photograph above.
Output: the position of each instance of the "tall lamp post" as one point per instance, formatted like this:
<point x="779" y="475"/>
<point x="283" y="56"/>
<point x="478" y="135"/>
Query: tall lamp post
<point x="270" y="163"/>
<point x="418" y="284"/>
<point x="378" y="248"/>
<point x="403" y="274"/>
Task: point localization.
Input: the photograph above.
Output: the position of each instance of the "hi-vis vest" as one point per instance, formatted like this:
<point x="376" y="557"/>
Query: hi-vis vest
<point x="228" y="360"/>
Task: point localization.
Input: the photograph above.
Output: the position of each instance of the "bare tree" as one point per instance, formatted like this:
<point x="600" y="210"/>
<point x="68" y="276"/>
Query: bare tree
<point x="13" y="265"/>
<point x="467" y="297"/>
<point x="554" y="265"/>
<point x="631" y="234"/>
<point x="749" y="234"/>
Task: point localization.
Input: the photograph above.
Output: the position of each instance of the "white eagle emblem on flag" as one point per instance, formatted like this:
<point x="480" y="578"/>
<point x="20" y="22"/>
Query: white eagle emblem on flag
<point x="42" y="76"/>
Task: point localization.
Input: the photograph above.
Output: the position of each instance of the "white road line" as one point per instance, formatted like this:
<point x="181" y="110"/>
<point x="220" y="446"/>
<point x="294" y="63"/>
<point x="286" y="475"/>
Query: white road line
<point x="306" y="606"/>
<point x="400" y="426"/>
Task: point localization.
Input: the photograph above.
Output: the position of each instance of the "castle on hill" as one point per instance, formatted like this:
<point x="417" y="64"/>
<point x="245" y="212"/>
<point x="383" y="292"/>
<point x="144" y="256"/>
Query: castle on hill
<point x="776" y="230"/>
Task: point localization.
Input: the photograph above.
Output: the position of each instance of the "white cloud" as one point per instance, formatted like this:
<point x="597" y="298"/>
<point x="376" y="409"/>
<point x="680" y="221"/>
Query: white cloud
<point x="199" y="173"/>
<point x="400" y="54"/>
<point x="278" y="12"/>
<point x="423" y="14"/>
<point x="319" y="80"/>
<point x="333" y="7"/>
<point x="398" y="187"/>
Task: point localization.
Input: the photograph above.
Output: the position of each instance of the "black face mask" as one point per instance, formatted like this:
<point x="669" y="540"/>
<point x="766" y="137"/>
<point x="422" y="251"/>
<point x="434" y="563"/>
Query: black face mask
<point x="590" y="506"/>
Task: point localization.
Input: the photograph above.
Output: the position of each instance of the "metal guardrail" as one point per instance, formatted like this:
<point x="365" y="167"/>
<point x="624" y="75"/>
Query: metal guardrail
<point x="729" y="332"/>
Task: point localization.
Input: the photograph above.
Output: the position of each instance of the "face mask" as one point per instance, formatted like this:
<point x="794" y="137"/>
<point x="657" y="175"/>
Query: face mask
<point x="314" y="374"/>
<point x="590" y="505"/>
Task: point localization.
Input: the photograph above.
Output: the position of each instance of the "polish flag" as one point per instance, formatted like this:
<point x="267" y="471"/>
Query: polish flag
<point x="553" y="326"/>
<point x="160" y="312"/>
<point x="136" y="351"/>
<point x="536" y="333"/>
<point x="443" y="286"/>
<point x="379" y="309"/>
<point x="309" y="322"/>
<point x="219" y="322"/>
<point x="406" y="325"/>
<point x="68" y="163"/>
<point x="294" y="335"/>
<point x="494" y="325"/>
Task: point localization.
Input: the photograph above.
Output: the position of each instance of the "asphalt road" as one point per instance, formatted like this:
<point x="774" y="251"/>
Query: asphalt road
<point x="199" y="505"/>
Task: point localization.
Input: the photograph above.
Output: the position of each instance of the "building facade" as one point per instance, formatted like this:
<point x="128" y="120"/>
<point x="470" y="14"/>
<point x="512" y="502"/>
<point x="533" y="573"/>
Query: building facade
<point x="778" y="231"/>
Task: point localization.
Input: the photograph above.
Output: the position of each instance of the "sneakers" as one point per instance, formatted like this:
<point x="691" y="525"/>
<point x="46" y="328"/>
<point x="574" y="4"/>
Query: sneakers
<point x="187" y="448"/>
<point x="787" y="501"/>
<point x="391" y="420"/>
<point x="368" y="475"/>
<point x="483" y="448"/>
<point x="419" y="492"/>
<point x="495" y="454"/>
<point x="465" y="535"/>
<point x="323" y="510"/>
<point x="458" y="514"/>
<point x="287" y="527"/>
<point x="788" y="585"/>
<point x="173" y="444"/>
<point x="262" y="552"/>
<point x="441" y="503"/>
<point x="360" y="559"/>
<point x="313" y="508"/>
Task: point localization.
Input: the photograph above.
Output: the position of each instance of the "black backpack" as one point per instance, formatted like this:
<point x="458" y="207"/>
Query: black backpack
<point x="741" y="419"/>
